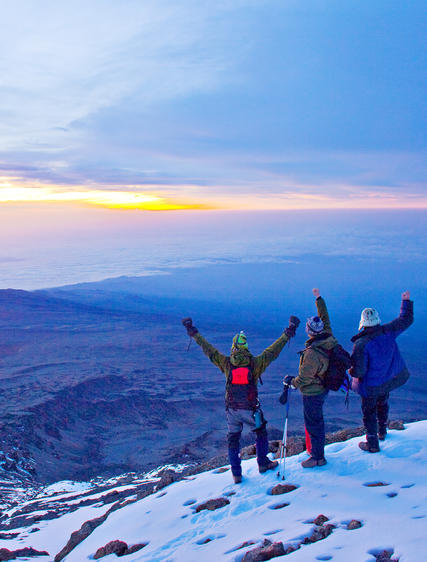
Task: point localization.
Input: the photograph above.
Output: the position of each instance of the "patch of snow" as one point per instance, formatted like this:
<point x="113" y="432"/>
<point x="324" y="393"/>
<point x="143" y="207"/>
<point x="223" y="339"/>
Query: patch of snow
<point x="67" y="486"/>
<point x="53" y="534"/>
<point x="393" y="515"/>
<point x="176" y="532"/>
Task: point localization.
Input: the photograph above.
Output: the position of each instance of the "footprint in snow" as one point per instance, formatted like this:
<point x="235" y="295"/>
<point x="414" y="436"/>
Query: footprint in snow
<point x="408" y="486"/>
<point x="268" y="533"/>
<point x="376" y="484"/>
<point x="210" y="538"/>
<point x="391" y="494"/>
<point x="190" y="502"/>
<point x="278" y="505"/>
<point x="382" y="554"/>
<point x="324" y="557"/>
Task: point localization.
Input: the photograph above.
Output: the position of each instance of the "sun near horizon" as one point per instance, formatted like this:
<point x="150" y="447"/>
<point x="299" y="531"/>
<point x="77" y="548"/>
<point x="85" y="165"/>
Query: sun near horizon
<point x="178" y="198"/>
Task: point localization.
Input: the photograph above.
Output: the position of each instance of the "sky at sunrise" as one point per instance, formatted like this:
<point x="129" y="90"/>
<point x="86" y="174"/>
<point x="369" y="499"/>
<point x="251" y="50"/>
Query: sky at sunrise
<point x="231" y="105"/>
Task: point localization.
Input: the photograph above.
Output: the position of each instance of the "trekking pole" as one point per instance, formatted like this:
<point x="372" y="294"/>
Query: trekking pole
<point x="282" y="458"/>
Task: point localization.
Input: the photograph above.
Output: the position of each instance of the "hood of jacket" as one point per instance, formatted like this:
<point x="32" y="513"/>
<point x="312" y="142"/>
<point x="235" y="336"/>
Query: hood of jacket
<point x="368" y="331"/>
<point x="325" y="341"/>
<point x="240" y="357"/>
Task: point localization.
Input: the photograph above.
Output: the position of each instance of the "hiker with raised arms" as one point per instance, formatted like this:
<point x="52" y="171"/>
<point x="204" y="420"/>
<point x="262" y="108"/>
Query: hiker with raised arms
<point x="314" y="362"/>
<point x="242" y="372"/>
<point x="378" y="368"/>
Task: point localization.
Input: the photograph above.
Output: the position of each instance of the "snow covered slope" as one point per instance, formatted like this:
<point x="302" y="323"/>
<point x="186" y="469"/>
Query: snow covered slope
<point x="386" y="493"/>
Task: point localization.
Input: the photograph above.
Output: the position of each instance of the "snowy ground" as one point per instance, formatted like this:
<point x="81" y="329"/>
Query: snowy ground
<point x="393" y="515"/>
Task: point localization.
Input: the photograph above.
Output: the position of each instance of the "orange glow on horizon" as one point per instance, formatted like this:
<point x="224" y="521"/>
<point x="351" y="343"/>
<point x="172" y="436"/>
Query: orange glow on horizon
<point x="192" y="197"/>
<point x="117" y="199"/>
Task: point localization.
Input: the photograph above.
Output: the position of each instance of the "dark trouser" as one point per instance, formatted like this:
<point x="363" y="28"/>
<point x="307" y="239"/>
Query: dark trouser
<point x="375" y="408"/>
<point x="235" y="420"/>
<point x="314" y="423"/>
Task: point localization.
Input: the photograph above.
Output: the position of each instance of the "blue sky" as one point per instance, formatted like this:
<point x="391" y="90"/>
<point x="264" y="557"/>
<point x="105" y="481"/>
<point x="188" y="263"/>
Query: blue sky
<point x="232" y="104"/>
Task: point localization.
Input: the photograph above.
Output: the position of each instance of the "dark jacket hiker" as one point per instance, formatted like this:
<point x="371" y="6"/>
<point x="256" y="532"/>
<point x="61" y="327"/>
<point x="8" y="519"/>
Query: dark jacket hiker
<point x="243" y="371"/>
<point x="378" y="368"/>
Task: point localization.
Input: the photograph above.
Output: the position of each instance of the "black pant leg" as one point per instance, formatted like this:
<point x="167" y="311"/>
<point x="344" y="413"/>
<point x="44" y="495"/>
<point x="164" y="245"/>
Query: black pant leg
<point x="369" y="410"/>
<point x="383" y="410"/>
<point x="314" y="422"/>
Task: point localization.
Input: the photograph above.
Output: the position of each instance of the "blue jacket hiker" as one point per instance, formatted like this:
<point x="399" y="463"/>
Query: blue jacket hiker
<point x="378" y="367"/>
<point x="242" y="372"/>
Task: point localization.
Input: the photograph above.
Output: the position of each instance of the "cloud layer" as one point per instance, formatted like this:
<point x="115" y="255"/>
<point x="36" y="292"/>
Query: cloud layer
<point x="285" y="104"/>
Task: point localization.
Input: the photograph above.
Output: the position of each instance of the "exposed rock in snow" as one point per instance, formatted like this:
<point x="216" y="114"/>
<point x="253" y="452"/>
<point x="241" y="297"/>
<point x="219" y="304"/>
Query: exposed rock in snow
<point x="320" y="519"/>
<point x="211" y="505"/>
<point x="6" y="554"/>
<point x="113" y="547"/>
<point x="279" y="489"/>
<point x="265" y="552"/>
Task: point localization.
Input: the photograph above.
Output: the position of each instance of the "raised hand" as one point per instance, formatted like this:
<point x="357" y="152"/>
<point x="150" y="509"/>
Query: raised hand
<point x="294" y="322"/>
<point x="406" y="296"/>
<point x="188" y="325"/>
<point x="316" y="293"/>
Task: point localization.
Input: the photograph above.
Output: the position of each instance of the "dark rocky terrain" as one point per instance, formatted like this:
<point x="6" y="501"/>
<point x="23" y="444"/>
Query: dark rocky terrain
<point x="85" y="390"/>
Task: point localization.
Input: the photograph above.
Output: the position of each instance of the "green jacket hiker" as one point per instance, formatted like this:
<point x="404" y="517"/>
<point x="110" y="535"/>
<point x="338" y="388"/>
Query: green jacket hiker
<point x="243" y="356"/>
<point x="242" y="372"/>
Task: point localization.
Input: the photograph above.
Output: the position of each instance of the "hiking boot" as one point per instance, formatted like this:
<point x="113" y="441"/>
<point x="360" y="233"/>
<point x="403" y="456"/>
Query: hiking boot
<point x="270" y="466"/>
<point x="311" y="463"/>
<point x="237" y="479"/>
<point x="365" y="446"/>
<point x="382" y="433"/>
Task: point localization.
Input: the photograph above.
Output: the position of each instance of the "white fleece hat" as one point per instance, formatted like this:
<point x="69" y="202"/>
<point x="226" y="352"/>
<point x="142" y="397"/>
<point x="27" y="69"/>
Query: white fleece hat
<point x="369" y="317"/>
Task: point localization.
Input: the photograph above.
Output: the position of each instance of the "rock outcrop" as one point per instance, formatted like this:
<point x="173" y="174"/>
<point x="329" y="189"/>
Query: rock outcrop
<point x="6" y="554"/>
<point x="211" y="505"/>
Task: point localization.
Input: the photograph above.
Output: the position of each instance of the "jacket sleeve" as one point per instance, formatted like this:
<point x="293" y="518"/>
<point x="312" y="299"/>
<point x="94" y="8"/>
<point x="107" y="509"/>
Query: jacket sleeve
<point x="217" y="358"/>
<point x="359" y="360"/>
<point x="261" y="362"/>
<point x="322" y="312"/>
<point x="404" y="320"/>
<point x="310" y="365"/>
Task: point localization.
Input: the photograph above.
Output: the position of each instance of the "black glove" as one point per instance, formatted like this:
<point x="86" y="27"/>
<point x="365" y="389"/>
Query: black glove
<point x="294" y="322"/>
<point x="188" y="325"/>
<point x="288" y="380"/>
<point x="284" y="396"/>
